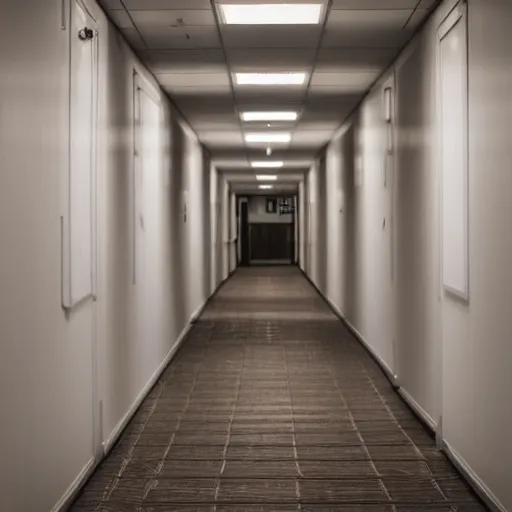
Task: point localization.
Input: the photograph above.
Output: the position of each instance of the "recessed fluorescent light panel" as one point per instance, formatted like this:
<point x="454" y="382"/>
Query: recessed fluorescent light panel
<point x="272" y="14"/>
<point x="269" y="116"/>
<point x="270" y="78"/>
<point x="266" y="177"/>
<point x="267" y="164"/>
<point x="268" y="137"/>
<point x="266" y="187"/>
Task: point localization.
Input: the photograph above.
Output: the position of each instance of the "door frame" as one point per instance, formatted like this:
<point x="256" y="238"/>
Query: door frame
<point x="68" y="306"/>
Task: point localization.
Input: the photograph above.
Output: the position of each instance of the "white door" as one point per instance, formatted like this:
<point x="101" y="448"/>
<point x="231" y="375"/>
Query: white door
<point x="79" y="219"/>
<point x="146" y="222"/>
<point x="388" y="187"/>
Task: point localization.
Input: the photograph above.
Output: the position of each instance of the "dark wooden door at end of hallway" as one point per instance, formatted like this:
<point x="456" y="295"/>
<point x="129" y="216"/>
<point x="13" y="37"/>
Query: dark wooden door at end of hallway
<point x="270" y="241"/>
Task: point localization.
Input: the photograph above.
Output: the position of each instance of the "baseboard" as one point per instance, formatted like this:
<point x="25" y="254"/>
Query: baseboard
<point x="484" y="493"/>
<point x="392" y="377"/>
<point x="375" y="356"/>
<point x="423" y="415"/>
<point x="118" y="429"/>
<point x="460" y="464"/>
<point x="194" y="317"/>
<point x="73" y="489"/>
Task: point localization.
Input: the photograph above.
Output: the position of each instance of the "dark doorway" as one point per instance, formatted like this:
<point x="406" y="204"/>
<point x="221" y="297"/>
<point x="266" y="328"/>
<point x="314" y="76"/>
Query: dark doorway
<point x="244" y="234"/>
<point x="271" y="243"/>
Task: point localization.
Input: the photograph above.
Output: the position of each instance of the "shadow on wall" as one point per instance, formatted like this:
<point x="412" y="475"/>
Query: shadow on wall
<point x="115" y="216"/>
<point x="349" y="292"/>
<point x="178" y="226"/>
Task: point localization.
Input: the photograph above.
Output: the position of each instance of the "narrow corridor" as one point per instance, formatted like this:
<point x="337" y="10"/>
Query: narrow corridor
<point x="271" y="404"/>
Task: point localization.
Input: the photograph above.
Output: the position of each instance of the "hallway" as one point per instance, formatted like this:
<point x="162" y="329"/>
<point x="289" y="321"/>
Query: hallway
<point x="271" y="404"/>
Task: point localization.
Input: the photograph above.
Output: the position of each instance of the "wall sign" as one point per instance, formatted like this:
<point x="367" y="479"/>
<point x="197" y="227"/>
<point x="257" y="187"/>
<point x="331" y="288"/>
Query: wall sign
<point x="271" y="205"/>
<point x="286" y="206"/>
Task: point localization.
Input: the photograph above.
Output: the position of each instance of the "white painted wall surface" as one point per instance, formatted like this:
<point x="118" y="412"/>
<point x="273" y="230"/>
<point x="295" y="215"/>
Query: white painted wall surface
<point x="46" y="362"/>
<point x="452" y="358"/>
<point x="225" y="229"/>
<point x="477" y="347"/>
<point x="258" y="212"/>
<point x="302" y="218"/>
<point x="233" y="233"/>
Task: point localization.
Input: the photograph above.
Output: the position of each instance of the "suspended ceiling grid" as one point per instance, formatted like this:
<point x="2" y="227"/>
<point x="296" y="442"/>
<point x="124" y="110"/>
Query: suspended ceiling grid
<point x="194" y="56"/>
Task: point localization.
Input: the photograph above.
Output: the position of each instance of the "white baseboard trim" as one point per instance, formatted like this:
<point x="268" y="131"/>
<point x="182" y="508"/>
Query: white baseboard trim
<point x="416" y="407"/>
<point x="462" y="466"/>
<point x="476" y="482"/>
<point x="393" y="378"/>
<point x="116" y="432"/>
<point x="73" y="489"/>
<point x="194" y="317"/>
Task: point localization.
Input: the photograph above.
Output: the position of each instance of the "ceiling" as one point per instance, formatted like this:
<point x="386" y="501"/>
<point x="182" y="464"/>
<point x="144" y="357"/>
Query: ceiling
<point x="193" y="55"/>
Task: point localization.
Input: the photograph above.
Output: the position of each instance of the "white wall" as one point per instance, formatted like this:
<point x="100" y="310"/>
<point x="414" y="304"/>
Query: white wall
<point x="225" y="210"/>
<point x="302" y="220"/>
<point x="258" y="212"/>
<point x="453" y="359"/>
<point x="46" y="368"/>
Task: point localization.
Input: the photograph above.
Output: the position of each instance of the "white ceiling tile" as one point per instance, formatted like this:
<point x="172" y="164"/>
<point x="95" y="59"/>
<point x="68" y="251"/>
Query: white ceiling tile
<point x="260" y="126"/>
<point x="316" y="125"/>
<point x="374" y="4"/>
<point x="275" y="59"/>
<point x="354" y="60"/>
<point x="311" y="138"/>
<point x="342" y="82"/>
<point x="332" y="90"/>
<point x="217" y="138"/>
<point x="149" y="5"/>
<point x="111" y="4"/>
<point x="194" y="79"/>
<point x="185" y="61"/>
<point x="428" y="4"/>
<point x="274" y="36"/>
<point x="188" y="92"/>
<point x="206" y="108"/>
<point x="356" y="78"/>
<point x="120" y="18"/>
<point x="163" y="18"/>
<point x="201" y="125"/>
<point x="336" y="113"/>
<point x="133" y="37"/>
<point x="417" y="18"/>
<point x="362" y="20"/>
<point x="162" y="38"/>
<point x="270" y="96"/>
<point x="354" y="38"/>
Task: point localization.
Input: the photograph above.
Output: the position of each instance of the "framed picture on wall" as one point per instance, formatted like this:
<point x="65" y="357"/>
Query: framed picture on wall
<point x="271" y="205"/>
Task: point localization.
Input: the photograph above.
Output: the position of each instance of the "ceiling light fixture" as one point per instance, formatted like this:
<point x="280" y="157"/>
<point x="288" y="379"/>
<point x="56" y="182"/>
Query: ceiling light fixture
<point x="266" y="164"/>
<point x="266" y="177"/>
<point x="272" y="14"/>
<point x="270" y="78"/>
<point x="268" y="137"/>
<point x="269" y="116"/>
<point x="266" y="187"/>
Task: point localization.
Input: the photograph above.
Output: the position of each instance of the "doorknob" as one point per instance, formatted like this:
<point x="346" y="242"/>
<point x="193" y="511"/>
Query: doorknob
<point x="85" y="34"/>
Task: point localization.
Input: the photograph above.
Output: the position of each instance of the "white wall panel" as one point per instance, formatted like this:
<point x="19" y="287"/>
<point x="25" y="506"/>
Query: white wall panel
<point x="453" y="358"/>
<point x="47" y="357"/>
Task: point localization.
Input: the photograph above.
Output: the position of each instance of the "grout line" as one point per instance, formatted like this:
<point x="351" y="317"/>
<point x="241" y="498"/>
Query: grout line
<point x="228" y="436"/>
<point x="363" y="444"/>
<point x="184" y="410"/>
<point x="128" y="456"/>
<point x="230" y="77"/>
<point x="418" y="451"/>
<point x="295" y="454"/>
<point x="134" y="26"/>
